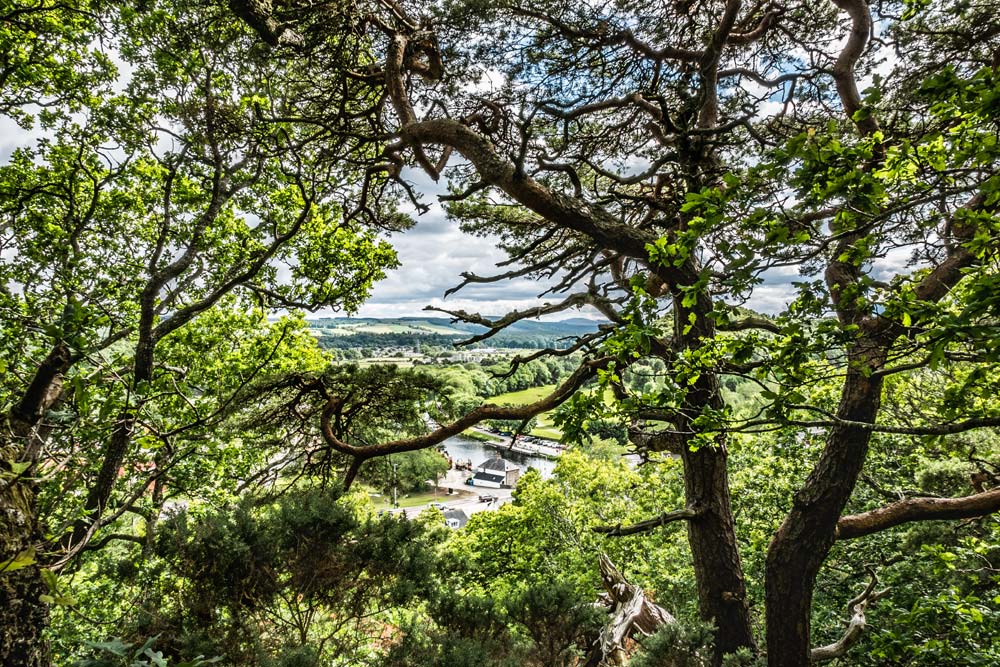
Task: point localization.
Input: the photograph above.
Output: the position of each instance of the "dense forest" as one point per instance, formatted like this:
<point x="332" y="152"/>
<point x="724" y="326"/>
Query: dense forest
<point x="785" y="213"/>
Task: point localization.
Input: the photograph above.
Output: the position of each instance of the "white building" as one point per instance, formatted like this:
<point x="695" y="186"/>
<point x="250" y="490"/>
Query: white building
<point x="496" y="473"/>
<point x="455" y="519"/>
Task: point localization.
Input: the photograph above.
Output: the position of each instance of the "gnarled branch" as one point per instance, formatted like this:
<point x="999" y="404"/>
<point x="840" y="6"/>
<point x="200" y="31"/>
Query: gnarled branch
<point x="855" y="627"/>
<point x="442" y="433"/>
<point x="918" y="509"/>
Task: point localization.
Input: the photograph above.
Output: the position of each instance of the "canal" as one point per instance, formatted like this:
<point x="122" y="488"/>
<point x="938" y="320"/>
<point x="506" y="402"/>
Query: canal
<point x="467" y="449"/>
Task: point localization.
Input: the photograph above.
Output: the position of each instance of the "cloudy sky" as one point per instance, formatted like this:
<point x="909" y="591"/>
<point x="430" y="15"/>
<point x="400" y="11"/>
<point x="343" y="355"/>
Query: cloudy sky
<point x="433" y="254"/>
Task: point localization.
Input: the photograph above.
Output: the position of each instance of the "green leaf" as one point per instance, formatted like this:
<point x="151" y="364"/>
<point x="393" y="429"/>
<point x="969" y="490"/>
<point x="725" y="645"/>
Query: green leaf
<point x="156" y="657"/>
<point x="115" y="647"/>
<point x="49" y="577"/>
<point x="24" y="559"/>
<point x="19" y="467"/>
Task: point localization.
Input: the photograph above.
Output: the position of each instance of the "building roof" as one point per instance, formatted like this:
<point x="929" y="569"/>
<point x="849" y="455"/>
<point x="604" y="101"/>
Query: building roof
<point x="458" y="515"/>
<point x="497" y="464"/>
<point x="489" y="477"/>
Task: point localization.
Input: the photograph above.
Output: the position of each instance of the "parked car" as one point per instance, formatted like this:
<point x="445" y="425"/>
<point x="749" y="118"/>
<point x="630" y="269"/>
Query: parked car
<point x="487" y="498"/>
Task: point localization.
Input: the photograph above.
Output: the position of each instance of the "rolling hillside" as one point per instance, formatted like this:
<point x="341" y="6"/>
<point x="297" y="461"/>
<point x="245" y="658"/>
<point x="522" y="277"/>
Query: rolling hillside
<point x="341" y="332"/>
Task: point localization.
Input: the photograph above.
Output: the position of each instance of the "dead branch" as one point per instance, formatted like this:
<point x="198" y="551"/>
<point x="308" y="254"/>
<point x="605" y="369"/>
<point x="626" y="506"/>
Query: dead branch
<point x="855" y="627"/>
<point x="495" y="326"/>
<point x="632" y="613"/>
<point x="580" y="343"/>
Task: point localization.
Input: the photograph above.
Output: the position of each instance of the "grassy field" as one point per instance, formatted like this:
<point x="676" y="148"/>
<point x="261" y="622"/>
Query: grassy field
<point x="522" y="397"/>
<point x="482" y="437"/>
<point x="383" y="502"/>
<point x="387" y="328"/>
<point x="545" y="428"/>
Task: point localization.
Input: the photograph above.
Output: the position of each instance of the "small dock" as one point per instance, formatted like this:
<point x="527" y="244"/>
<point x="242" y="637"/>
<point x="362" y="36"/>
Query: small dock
<point x="530" y="445"/>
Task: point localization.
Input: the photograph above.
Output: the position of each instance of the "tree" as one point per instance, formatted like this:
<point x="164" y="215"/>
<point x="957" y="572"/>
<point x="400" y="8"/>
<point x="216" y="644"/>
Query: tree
<point x="660" y="164"/>
<point x="318" y="570"/>
<point x="143" y="221"/>
<point x="406" y="472"/>
<point x="509" y="427"/>
<point x="664" y="162"/>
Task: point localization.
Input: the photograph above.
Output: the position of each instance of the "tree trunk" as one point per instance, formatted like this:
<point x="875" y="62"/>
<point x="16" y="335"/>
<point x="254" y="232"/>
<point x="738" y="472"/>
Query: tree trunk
<point x="23" y="616"/>
<point x="722" y="597"/>
<point x="801" y="545"/>
<point x="121" y="437"/>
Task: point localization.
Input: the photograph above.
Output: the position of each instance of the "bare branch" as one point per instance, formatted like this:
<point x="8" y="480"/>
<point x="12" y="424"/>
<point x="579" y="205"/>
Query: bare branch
<point x="580" y="343"/>
<point x="546" y="266"/>
<point x="607" y="35"/>
<point x="648" y="524"/>
<point x="855" y="627"/>
<point x="843" y="70"/>
<point x="918" y="509"/>
<point x="742" y="38"/>
<point x="569" y="212"/>
<point x="396" y="88"/>
<point x="756" y="76"/>
<point x="361" y="453"/>
<point x="495" y="326"/>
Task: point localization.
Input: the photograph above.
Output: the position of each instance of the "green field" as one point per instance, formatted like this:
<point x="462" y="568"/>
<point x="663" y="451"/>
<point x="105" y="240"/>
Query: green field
<point x="522" y="397"/>
<point x="481" y="436"/>
<point x="390" y="328"/>
<point x="545" y="428"/>
<point x="383" y="502"/>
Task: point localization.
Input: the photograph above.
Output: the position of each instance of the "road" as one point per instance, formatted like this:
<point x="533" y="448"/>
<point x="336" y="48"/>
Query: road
<point x="468" y="501"/>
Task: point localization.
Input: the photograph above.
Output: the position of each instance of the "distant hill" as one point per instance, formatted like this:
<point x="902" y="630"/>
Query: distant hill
<point x="342" y="332"/>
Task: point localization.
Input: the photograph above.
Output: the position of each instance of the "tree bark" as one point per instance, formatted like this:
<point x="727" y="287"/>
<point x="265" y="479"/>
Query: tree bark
<point x="23" y="616"/>
<point x="804" y="539"/>
<point x="722" y="596"/>
<point x="918" y="509"/>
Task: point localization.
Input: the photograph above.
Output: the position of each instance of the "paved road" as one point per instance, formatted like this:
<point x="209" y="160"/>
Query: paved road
<point x="468" y="501"/>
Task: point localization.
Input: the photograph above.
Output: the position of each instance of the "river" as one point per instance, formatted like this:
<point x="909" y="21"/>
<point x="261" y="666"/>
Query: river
<point x="462" y="449"/>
